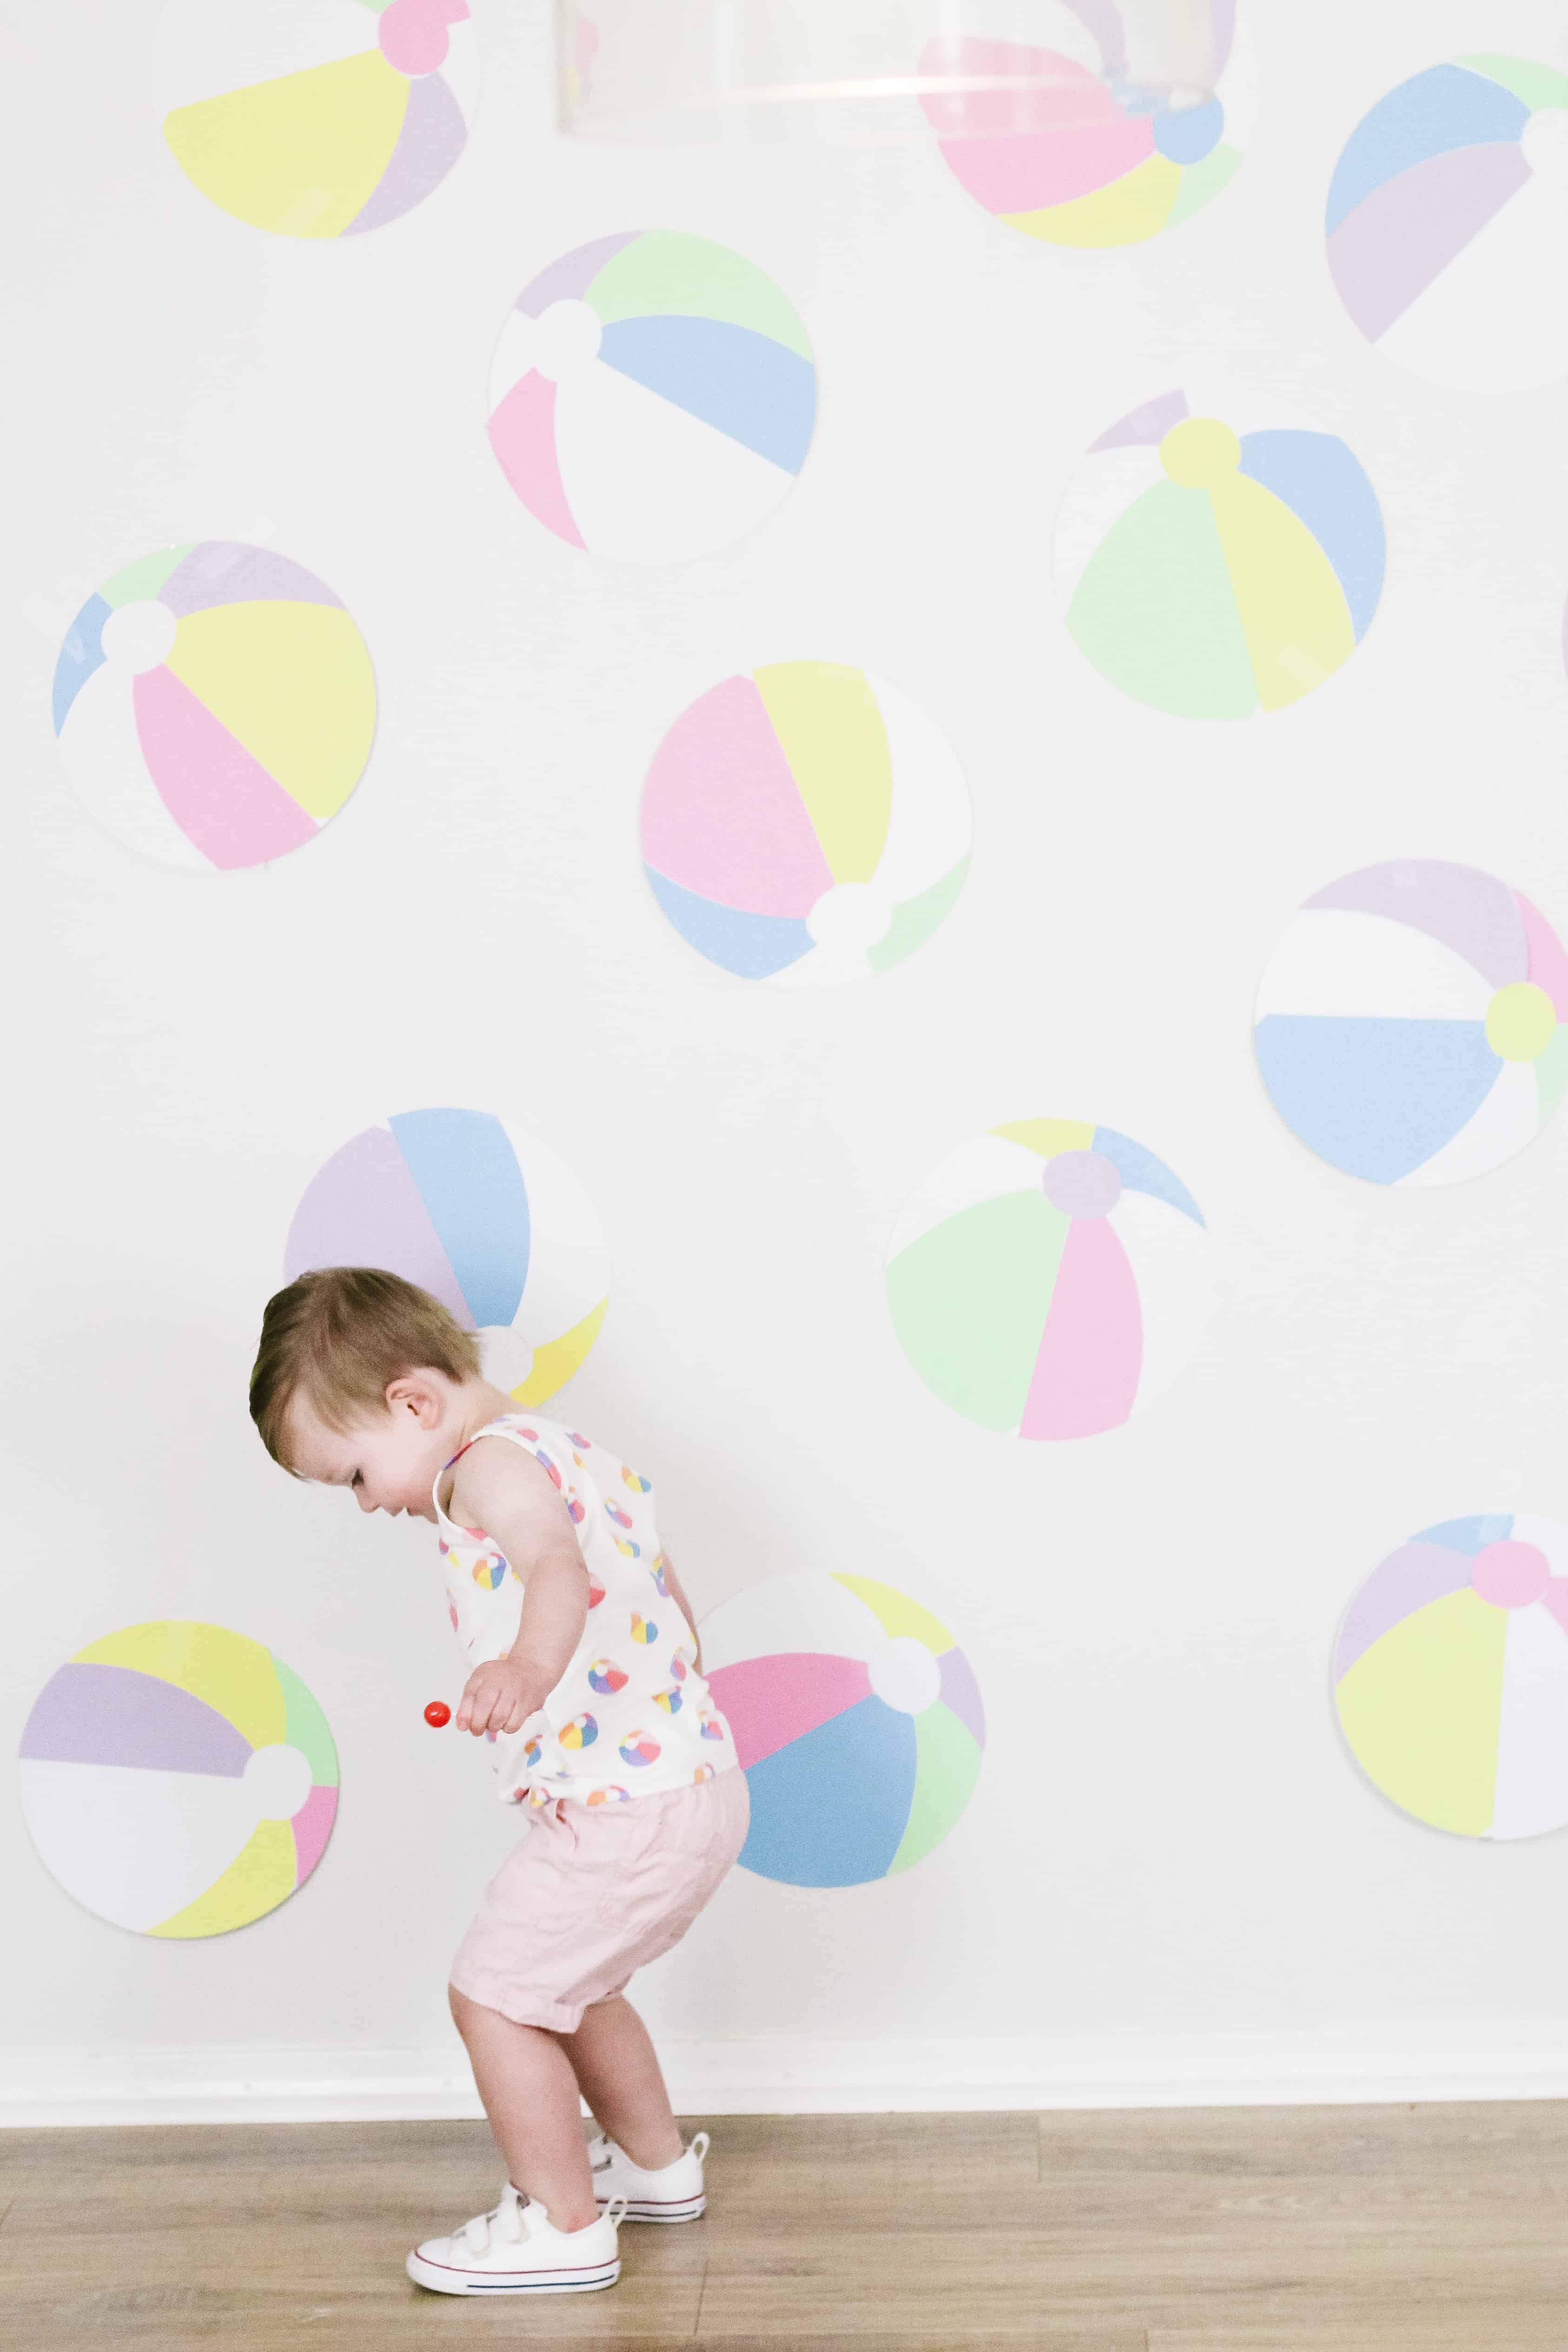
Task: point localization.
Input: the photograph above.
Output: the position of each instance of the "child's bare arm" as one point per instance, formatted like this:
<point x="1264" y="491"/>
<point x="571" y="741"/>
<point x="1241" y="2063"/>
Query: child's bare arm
<point x="677" y="1594"/>
<point x="515" y="1500"/>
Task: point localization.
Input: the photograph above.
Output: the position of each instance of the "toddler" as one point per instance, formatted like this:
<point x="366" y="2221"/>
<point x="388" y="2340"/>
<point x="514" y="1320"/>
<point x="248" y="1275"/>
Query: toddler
<point x="587" y="1680"/>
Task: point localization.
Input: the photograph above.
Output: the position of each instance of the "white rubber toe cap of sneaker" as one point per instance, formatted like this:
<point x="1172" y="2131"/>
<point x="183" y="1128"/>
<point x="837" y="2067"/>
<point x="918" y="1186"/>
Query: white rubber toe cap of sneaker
<point x="515" y="2250"/>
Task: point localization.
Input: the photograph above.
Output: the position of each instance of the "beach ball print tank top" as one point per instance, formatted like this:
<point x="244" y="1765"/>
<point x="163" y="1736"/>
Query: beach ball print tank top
<point x="631" y="1716"/>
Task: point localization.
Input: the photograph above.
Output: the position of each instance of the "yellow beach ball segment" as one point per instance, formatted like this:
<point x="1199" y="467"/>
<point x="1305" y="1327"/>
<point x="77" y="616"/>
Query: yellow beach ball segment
<point x="1451" y="1676"/>
<point x="482" y="1215"/>
<point x="178" y="1778"/>
<point x="214" y="704"/>
<point x="315" y="117"/>
<point x="1213" y="571"/>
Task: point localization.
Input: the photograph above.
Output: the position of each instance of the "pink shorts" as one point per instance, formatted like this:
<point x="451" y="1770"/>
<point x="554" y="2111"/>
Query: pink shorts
<point x="592" y="1894"/>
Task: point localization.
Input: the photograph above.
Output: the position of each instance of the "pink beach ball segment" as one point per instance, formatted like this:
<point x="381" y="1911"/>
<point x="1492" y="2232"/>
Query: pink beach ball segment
<point x="1066" y="146"/>
<point x="178" y="1778"/>
<point x="857" y="1721"/>
<point x="805" y="823"/>
<point x="215" y="705"/>
<point x="652" y="397"/>
<point x="1049" y="1278"/>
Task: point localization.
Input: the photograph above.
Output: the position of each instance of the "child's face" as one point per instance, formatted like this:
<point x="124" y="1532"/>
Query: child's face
<point x="388" y="1461"/>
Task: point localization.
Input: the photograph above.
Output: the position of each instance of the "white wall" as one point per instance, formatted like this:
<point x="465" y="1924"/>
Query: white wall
<point x="1172" y="1882"/>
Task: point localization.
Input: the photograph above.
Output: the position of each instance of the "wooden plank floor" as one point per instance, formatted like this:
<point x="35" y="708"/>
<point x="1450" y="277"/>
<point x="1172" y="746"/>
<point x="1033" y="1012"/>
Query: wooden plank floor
<point x="1243" y="2229"/>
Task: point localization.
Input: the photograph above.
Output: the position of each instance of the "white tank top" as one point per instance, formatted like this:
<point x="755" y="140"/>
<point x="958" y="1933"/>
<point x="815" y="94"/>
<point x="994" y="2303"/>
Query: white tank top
<point x="631" y="1715"/>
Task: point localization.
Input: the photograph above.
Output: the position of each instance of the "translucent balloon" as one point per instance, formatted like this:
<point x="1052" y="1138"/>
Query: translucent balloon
<point x="720" y="71"/>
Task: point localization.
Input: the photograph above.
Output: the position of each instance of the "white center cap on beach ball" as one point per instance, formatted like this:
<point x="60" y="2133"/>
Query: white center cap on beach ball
<point x="1543" y="142"/>
<point x="904" y="1675"/>
<point x="278" y="1782"/>
<point x="505" y="1355"/>
<point x="138" y="637"/>
<point x="850" y="915"/>
<point x="565" y="339"/>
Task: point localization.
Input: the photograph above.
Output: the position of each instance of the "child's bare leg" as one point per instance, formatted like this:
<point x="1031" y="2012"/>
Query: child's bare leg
<point x="530" y="2095"/>
<point x="619" y="2076"/>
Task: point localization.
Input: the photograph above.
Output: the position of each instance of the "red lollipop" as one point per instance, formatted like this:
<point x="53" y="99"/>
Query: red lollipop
<point x="437" y="1714"/>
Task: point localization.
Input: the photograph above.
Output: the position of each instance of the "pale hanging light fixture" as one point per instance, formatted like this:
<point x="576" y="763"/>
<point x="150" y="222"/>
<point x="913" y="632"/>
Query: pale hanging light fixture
<point x="874" y="71"/>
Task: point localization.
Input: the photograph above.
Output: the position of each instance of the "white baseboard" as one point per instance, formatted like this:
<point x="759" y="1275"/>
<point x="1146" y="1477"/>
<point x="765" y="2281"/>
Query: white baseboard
<point x="776" y="2077"/>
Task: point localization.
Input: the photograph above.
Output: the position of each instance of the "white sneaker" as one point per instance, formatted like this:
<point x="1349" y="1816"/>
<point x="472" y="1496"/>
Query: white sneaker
<point x="517" y="2249"/>
<point x="674" y="2194"/>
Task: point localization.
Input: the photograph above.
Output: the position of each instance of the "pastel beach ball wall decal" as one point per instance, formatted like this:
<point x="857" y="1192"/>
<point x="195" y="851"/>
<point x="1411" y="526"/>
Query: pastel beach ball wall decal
<point x="652" y="396"/>
<point x="1451" y="1676"/>
<point x="805" y="823"/>
<point x="1412" y="1024"/>
<point x="315" y="117"/>
<point x="488" y="1219"/>
<point x="215" y="705"/>
<point x="178" y="1780"/>
<point x="857" y="1723"/>
<point x="1049" y="1279"/>
<point x="1087" y="158"/>
<point x="1448" y="224"/>
<point x="1211" y="572"/>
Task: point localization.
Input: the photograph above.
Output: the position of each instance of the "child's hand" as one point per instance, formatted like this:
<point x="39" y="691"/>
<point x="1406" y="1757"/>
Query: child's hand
<point x="499" y="1696"/>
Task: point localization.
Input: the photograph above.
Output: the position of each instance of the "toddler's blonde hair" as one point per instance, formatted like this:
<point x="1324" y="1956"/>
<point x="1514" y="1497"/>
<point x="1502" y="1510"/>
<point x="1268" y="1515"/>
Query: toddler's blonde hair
<point x="339" y="1338"/>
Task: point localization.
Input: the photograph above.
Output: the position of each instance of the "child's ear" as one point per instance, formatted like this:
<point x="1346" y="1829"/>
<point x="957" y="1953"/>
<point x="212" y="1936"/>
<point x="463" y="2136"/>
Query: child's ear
<point x="418" y="1394"/>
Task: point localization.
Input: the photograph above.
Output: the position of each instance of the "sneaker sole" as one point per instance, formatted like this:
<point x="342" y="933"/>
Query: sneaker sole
<point x="447" y="2281"/>
<point x="681" y="2209"/>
